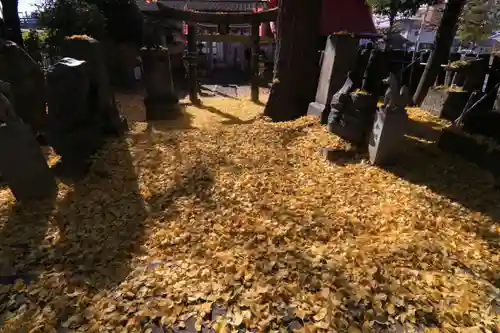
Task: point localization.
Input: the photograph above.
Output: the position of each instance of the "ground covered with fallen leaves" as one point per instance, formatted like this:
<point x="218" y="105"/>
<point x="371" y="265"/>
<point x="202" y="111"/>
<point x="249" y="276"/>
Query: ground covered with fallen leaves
<point x="221" y="219"/>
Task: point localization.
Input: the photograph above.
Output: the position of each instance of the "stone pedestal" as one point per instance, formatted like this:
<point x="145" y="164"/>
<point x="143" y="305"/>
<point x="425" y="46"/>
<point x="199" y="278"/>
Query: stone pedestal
<point x="455" y="141"/>
<point x="22" y="164"/>
<point x="161" y="100"/>
<point x="445" y="103"/>
<point x="338" y="59"/>
<point x="387" y="136"/>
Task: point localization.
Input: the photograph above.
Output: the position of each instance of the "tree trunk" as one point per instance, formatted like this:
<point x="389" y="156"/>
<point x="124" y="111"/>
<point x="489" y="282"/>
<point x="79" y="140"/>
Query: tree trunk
<point x="444" y="40"/>
<point x="12" y="29"/>
<point x="296" y="61"/>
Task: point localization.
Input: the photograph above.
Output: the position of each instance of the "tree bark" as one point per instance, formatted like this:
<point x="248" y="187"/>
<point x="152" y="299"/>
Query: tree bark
<point x="444" y="39"/>
<point x="296" y="62"/>
<point x="12" y="28"/>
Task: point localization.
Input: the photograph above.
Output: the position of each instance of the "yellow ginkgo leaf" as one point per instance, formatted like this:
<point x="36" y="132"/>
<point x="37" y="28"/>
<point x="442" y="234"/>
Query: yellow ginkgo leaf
<point x="320" y="315"/>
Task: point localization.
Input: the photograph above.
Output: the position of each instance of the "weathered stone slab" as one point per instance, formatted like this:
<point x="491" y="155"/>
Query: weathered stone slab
<point x="160" y="100"/>
<point x="339" y="58"/>
<point x="445" y="103"/>
<point x="22" y="164"/>
<point x="27" y="84"/>
<point x="351" y="114"/>
<point x="389" y="126"/>
<point x="74" y="127"/>
<point x="91" y="50"/>
<point x="387" y="136"/>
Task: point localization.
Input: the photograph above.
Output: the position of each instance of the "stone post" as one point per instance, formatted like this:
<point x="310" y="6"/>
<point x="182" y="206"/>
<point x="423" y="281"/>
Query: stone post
<point x="254" y="65"/>
<point x="192" y="65"/>
<point x="27" y="85"/>
<point x="338" y="59"/>
<point x="90" y="50"/>
<point x="389" y="126"/>
<point x="73" y="127"/>
<point x="160" y="98"/>
<point x="22" y="164"/>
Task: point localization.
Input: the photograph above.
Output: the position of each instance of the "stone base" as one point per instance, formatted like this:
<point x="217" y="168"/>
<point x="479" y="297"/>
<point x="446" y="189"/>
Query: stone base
<point x="454" y="105"/>
<point x="161" y="108"/>
<point x="483" y="123"/>
<point x="319" y="110"/>
<point x="161" y="112"/>
<point x="446" y="104"/>
<point x="456" y="142"/>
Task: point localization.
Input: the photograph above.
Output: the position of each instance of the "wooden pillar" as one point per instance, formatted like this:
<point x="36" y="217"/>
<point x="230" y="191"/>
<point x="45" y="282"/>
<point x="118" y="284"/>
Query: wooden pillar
<point x="192" y="65"/>
<point x="210" y="56"/>
<point x="254" y="62"/>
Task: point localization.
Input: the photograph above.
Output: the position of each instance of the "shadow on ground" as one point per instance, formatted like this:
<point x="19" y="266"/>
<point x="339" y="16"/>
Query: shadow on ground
<point x="101" y="222"/>
<point x="21" y="240"/>
<point x="230" y="119"/>
<point x="94" y="232"/>
<point x="179" y="119"/>
<point x="195" y="180"/>
<point x="423" y="163"/>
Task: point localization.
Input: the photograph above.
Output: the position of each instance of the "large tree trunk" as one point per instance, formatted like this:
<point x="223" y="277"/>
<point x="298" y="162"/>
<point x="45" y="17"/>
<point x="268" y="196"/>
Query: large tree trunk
<point x="444" y="39"/>
<point x="296" y="62"/>
<point x="12" y="29"/>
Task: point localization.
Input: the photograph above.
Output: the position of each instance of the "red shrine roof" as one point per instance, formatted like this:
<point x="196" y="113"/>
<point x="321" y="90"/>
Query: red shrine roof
<point x="353" y="16"/>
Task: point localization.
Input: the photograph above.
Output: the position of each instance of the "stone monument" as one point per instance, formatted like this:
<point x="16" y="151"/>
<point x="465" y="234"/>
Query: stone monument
<point x="90" y="50"/>
<point x="160" y="100"/>
<point x="390" y="125"/>
<point x="338" y="59"/>
<point x="27" y="84"/>
<point x="22" y="164"/>
<point x="75" y="127"/>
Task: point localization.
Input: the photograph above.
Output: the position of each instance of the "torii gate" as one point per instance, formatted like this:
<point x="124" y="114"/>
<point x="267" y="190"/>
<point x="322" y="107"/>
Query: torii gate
<point x="192" y="17"/>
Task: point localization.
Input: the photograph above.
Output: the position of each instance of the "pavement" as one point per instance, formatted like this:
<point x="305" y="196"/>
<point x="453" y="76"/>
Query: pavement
<point x="227" y="83"/>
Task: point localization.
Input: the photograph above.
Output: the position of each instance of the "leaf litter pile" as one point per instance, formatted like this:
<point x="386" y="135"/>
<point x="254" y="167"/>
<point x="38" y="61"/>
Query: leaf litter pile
<point x="240" y="225"/>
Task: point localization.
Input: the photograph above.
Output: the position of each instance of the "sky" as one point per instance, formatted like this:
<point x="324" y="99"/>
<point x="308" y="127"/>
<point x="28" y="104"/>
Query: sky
<point x="27" y="5"/>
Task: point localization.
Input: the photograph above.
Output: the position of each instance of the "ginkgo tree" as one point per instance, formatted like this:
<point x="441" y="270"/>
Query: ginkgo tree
<point x="12" y="28"/>
<point x="393" y="8"/>
<point x="118" y="20"/>
<point x="480" y="18"/>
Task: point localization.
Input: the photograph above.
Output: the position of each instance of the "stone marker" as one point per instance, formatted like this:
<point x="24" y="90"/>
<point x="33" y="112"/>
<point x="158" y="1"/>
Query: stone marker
<point x="22" y="164"/>
<point x="160" y="100"/>
<point x="89" y="49"/>
<point x="339" y="58"/>
<point x="74" y="127"/>
<point x="27" y="84"/>
<point x="351" y="114"/>
<point x="390" y="125"/>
